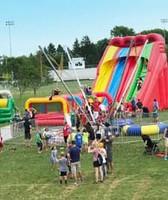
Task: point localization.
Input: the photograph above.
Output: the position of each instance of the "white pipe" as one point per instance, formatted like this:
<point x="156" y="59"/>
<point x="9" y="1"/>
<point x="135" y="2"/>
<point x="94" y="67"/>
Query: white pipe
<point x="66" y="87"/>
<point x="80" y="87"/>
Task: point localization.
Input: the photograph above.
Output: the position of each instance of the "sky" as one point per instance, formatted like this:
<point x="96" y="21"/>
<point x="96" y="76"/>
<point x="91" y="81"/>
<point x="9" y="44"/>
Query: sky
<point x="40" y="22"/>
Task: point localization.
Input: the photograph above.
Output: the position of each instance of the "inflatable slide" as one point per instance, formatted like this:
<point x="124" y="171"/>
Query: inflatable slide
<point x="125" y="60"/>
<point x="7" y="106"/>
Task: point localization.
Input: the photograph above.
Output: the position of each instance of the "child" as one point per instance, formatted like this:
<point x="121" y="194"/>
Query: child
<point x="155" y="115"/>
<point x="39" y="141"/>
<point x="85" y="138"/>
<point x="1" y="142"/>
<point x="63" y="168"/>
<point x="47" y="136"/>
<point x="104" y="156"/>
<point x="53" y="157"/>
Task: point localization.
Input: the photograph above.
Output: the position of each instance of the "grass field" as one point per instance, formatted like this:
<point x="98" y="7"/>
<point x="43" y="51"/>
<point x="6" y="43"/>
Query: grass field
<point x="26" y="175"/>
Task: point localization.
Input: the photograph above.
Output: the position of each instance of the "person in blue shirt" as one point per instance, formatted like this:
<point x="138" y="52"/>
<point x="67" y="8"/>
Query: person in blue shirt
<point x="133" y="102"/>
<point x="74" y="155"/>
<point x="79" y="139"/>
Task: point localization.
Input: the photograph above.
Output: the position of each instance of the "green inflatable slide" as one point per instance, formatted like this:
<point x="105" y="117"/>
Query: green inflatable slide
<point x="7" y="107"/>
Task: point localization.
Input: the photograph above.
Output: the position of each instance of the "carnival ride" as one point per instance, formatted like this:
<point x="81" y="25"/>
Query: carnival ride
<point x="125" y="59"/>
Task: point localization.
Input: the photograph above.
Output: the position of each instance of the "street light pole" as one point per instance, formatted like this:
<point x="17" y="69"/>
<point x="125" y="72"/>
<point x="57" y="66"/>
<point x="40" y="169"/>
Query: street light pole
<point x="164" y="21"/>
<point x="9" y="24"/>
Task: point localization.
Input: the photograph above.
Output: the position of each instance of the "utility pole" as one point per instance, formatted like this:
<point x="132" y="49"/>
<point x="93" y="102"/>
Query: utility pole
<point x="163" y="21"/>
<point x="9" y="24"/>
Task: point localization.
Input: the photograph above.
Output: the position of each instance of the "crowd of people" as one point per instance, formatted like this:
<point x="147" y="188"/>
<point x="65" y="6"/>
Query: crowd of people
<point x="96" y="139"/>
<point x="136" y="109"/>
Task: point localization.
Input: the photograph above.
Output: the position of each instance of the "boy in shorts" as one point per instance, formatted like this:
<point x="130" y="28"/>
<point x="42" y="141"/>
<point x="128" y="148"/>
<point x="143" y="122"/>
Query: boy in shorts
<point x="63" y="168"/>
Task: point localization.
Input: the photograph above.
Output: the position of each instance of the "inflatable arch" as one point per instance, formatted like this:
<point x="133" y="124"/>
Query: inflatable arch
<point x="78" y="99"/>
<point x="46" y="118"/>
<point x="46" y="100"/>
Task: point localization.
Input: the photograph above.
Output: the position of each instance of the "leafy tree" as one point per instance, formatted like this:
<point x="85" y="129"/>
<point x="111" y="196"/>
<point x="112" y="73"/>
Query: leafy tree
<point x="122" y="31"/>
<point x="51" y="50"/>
<point x="88" y="50"/>
<point x="61" y="57"/>
<point x="19" y="67"/>
<point x="76" y="48"/>
<point x="38" y="72"/>
<point x="35" y="76"/>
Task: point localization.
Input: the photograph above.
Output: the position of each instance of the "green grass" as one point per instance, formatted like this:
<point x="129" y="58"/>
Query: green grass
<point x="25" y="174"/>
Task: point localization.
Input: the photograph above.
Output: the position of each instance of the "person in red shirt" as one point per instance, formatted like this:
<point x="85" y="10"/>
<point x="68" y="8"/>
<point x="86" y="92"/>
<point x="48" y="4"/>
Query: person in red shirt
<point x="66" y="131"/>
<point x="96" y="108"/>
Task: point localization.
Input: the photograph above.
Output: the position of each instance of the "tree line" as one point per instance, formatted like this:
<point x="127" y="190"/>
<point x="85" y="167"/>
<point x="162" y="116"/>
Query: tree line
<point x="20" y="71"/>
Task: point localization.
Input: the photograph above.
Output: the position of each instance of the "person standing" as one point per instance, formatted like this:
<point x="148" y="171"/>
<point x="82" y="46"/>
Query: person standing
<point x="1" y="142"/>
<point x="74" y="156"/>
<point x="107" y="129"/>
<point x="79" y="139"/>
<point x="53" y="157"/>
<point x="73" y="118"/>
<point x="165" y="137"/>
<point x="121" y="111"/>
<point x="104" y="156"/>
<point x="32" y="116"/>
<point x="66" y="131"/>
<point x="63" y="169"/>
<point x="16" y="120"/>
<point x="108" y="147"/>
<point x="91" y="132"/>
<point x="133" y="103"/>
<point x="139" y="110"/>
<point x="85" y="138"/>
<point x="27" y="130"/>
<point x="39" y="141"/>
<point x="96" y="164"/>
<point x="96" y="108"/>
<point x="26" y="114"/>
<point x="155" y="115"/>
<point x="155" y="104"/>
<point x="47" y="136"/>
